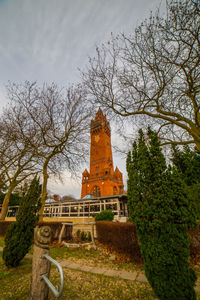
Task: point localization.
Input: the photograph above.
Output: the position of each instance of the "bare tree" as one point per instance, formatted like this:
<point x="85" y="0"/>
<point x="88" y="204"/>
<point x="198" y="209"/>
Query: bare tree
<point x="59" y="120"/>
<point x="154" y="72"/>
<point x="17" y="158"/>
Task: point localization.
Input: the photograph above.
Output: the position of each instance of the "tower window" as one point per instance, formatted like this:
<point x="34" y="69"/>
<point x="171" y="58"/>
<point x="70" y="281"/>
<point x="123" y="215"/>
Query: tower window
<point x="96" y="191"/>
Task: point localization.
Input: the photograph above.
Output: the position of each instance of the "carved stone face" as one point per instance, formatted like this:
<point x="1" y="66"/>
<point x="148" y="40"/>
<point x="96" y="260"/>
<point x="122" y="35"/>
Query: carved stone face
<point x="42" y="236"/>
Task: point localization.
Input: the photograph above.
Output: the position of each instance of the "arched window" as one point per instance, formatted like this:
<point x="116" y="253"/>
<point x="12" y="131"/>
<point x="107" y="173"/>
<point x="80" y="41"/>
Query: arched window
<point x="96" y="191"/>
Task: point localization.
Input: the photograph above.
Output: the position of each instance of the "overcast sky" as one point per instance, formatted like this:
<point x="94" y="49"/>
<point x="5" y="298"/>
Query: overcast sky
<point x="48" y="40"/>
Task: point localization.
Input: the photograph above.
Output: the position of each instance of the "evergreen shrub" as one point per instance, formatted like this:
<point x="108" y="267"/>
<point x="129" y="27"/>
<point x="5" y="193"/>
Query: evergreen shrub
<point x="89" y="237"/>
<point x="83" y="236"/>
<point x="19" y="235"/>
<point x="187" y="162"/>
<point x="105" y="215"/>
<point x="159" y="207"/>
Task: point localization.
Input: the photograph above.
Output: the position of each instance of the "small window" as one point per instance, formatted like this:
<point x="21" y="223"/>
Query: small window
<point x="96" y="191"/>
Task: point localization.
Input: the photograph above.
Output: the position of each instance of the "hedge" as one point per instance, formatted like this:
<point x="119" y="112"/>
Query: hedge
<point x="123" y="237"/>
<point x="55" y="227"/>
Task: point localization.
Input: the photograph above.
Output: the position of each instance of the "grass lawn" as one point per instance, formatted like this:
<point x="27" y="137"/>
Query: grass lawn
<point x="91" y="258"/>
<point x="15" y="282"/>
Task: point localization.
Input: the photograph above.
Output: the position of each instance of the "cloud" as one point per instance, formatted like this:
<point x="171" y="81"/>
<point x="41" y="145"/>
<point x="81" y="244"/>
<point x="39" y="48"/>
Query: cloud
<point x="48" y="40"/>
<point x="69" y="186"/>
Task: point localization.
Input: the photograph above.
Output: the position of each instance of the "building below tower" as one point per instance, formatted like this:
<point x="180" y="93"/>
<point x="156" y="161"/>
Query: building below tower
<point x="102" y="180"/>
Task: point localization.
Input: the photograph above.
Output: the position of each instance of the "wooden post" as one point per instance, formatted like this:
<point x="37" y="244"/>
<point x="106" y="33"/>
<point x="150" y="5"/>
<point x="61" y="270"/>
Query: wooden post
<point x="78" y="210"/>
<point x="61" y="233"/>
<point x="118" y="209"/>
<point x="69" y="210"/>
<point x="92" y="234"/>
<point x="40" y="265"/>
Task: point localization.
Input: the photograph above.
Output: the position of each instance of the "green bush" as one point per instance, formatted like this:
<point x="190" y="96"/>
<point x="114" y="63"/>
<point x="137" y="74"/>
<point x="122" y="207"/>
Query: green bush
<point x="89" y="237"/>
<point x="83" y="236"/>
<point x="105" y="215"/>
<point x="19" y="235"/>
<point x="159" y="207"/>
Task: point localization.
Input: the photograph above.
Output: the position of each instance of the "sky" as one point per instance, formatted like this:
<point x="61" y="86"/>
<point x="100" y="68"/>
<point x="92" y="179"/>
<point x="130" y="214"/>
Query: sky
<point x="50" y="40"/>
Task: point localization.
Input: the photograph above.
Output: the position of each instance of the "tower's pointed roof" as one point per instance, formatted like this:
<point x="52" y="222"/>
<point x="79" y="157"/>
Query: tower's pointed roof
<point x="117" y="171"/>
<point x="99" y="115"/>
<point x="99" y="120"/>
<point x="85" y="172"/>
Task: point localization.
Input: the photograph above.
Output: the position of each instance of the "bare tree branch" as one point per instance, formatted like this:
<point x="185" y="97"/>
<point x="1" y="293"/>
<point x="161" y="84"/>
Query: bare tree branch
<point x="57" y="126"/>
<point x="154" y="72"/>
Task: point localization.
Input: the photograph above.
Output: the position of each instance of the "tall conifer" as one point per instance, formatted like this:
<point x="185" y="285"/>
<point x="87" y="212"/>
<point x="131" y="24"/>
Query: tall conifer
<point x="19" y="235"/>
<point x="162" y="216"/>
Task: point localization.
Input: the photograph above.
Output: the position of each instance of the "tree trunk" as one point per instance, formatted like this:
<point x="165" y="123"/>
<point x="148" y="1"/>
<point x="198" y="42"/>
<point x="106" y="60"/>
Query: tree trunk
<point x="197" y="145"/>
<point x="6" y="202"/>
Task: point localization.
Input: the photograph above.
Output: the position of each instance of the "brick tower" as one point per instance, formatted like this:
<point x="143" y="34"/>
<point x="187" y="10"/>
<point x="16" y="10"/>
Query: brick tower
<point x="102" y="179"/>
